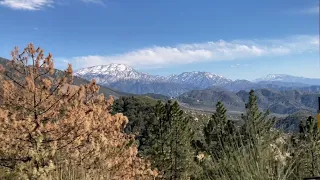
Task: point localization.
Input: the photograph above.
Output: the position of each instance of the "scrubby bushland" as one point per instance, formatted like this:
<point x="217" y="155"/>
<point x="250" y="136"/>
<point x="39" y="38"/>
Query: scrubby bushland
<point x="50" y="129"/>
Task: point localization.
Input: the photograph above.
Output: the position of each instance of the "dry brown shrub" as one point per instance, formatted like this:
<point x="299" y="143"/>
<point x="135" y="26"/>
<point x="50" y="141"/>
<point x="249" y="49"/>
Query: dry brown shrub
<point x="50" y="128"/>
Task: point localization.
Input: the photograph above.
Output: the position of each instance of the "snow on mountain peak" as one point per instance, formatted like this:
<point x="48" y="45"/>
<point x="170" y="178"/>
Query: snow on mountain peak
<point x="280" y="77"/>
<point x="104" y="69"/>
<point x="198" y="79"/>
<point x="119" y="67"/>
<point x="106" y="74"/>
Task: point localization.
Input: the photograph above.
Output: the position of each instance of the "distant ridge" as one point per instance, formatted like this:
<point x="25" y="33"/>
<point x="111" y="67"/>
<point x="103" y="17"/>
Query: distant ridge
<point x="279" y="102"/>
<point x="289" y="78"/>
<point x="126" y="79"/>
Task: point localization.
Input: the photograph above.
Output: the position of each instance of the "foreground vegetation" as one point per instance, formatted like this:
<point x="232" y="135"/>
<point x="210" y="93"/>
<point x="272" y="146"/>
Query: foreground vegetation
<point x="219" y="148"/>
<point x="51" y="129"/>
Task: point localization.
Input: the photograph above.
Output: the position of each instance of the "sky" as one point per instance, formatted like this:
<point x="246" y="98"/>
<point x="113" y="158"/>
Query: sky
<point x="244" y="39"/>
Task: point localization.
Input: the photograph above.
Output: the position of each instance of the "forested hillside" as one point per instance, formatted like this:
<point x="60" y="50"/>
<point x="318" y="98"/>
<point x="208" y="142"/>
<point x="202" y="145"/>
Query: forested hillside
<point x="279" y="102"/>
<point x="218" y="143"/>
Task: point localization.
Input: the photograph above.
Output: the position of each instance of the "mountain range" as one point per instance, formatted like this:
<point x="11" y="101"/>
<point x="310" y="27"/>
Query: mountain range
<point x="281" y="94"/>
<point x="289" y="78"/>
<point x="126" y="79"/>
<point x="289" y="98"/>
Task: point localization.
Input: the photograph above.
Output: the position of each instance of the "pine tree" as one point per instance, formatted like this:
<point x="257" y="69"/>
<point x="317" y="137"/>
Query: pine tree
<point x="154" y="138"/>
<point x="309" y="141"/>
<point x="220" y="138"/>
<point x="256" y="123"/>
<point x="169" y="146"/>
<point x="257" y="132"/>
<point x="181" y="137"/>
<point x="219" y="132"/>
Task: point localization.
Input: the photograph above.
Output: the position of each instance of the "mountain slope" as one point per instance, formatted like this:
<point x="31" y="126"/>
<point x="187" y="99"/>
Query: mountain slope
<point x="279" y="102"/>
<point x="210" y="97"/>
<point x="291" y="123"/>
<point x="139" y="87"/>
<point x="127" y="79"/>
<point x="107" y="74"/>
<point x="199" y="80"/>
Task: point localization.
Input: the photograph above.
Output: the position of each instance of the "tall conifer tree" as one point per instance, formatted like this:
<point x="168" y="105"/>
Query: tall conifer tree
<point x="169" y="144"/>
<point x="219" y="132"/>
<point x="256" y="123"/>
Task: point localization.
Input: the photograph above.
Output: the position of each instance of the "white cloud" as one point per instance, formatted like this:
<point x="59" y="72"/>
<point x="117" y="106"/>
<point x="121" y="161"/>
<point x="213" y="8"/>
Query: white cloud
<point x="33" y="5"/>
<point x="158" y="56"/>
<point x="26" y="4"/>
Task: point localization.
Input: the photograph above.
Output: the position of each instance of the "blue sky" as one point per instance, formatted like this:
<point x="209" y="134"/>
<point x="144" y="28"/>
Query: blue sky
<point x="243" y="39"/>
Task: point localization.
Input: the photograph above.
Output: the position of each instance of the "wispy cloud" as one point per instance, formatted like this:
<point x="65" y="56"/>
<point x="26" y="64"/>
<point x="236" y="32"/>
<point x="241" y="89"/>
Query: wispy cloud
<point x="27" y="4"/>
<point x="235" y="65"/>
<point x="239" y="65"/>
<point x="33" y="5"/>
<point x="159" y="56"/>
<point x="311" y="10"/>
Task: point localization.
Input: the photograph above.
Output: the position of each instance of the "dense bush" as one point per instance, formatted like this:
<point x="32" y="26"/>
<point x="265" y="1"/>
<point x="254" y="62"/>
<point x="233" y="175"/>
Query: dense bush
<point x="50" y="129"/>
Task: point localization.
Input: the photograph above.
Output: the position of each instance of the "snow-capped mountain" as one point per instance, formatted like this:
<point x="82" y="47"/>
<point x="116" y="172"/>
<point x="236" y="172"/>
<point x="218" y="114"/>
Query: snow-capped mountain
<point x="200" y="80"/>
<point x="107" y="74"/>
<point x="127" y="79"/>
<point x="279" y="77"/>
<point x="288" y="78"/>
